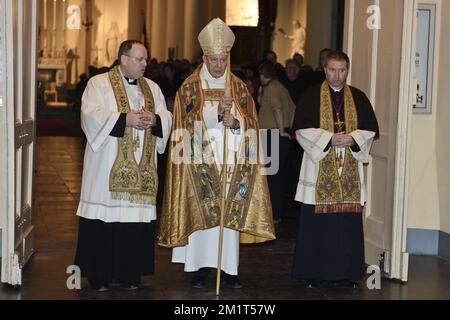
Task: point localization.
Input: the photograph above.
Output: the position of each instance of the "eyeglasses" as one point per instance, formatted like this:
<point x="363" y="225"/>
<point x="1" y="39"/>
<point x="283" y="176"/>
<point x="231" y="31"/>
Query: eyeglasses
<point x="139" y="60"/>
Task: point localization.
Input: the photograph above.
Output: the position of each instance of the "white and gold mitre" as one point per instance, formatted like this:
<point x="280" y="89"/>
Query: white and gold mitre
<point x="216" y="38"/>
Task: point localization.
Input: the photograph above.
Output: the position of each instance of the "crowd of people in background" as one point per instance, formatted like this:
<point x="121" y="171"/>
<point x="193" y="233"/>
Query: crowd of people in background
<point x="294" y="75"/>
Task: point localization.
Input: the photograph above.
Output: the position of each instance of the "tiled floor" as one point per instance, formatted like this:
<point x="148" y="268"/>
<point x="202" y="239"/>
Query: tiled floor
<point x="264" y="269"/>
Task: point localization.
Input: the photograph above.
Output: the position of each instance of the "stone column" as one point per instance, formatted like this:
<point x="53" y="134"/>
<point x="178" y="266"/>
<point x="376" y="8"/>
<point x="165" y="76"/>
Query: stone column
<point x="136" y="16"/>
<point x="88" y="35"/>
<point x="148" y="21"/>
<point x="175" y="25"/>
<point x="158" y="30"/>
<point x="192" y="27"/>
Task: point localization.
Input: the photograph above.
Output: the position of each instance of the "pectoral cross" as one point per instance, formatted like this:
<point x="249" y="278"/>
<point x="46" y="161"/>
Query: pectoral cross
<point x="339" y="124"/>
<point x="339" y="157"/>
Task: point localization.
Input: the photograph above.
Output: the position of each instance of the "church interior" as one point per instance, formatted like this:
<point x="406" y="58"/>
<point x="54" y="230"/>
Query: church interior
<point x="407" y="222"/>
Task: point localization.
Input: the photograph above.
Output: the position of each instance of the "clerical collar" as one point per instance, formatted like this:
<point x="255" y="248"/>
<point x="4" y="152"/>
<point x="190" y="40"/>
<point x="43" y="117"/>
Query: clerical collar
<point x="336" y="89"/>
<point x="130" y="81"/>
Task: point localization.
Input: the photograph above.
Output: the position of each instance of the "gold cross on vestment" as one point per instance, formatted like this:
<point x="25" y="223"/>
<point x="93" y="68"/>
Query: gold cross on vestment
<point x="339" y="124"/>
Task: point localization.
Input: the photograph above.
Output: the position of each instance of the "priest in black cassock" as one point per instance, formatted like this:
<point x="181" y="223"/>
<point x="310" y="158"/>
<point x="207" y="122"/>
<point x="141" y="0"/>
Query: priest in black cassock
<point x="126" y="123"/>
<point x="335" y="124"/>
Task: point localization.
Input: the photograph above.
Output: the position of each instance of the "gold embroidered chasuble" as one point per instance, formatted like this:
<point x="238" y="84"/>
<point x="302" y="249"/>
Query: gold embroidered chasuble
<point x="192" y="194"/>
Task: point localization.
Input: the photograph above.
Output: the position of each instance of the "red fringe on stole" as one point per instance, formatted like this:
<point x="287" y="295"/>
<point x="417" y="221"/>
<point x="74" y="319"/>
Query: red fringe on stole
<point x="338" y="208"/>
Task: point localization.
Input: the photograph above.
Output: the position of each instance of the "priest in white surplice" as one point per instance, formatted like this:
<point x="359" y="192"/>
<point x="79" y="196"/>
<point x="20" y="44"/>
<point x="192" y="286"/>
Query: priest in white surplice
<point x="191" y="206"/>
<point x="335" y="124"/>
<point x="126" y="123"/>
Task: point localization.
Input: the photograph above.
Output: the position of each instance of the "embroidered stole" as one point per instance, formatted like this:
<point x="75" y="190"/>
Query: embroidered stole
<point x="338" y="193"/>
<point x="128" y="180"/>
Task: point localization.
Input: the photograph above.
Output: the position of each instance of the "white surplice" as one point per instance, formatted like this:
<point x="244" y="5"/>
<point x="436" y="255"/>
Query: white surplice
<point x="313" y="142"/>
<point x="203" y="247"/>
<point x="99" y="114"/>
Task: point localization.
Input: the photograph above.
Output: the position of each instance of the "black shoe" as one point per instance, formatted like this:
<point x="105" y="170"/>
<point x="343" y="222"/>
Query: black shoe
<point x="100" y="288"/>
<point x="231" y="281"/>
<point x="129" y="286"/>
<point x="199" y="278"/>
<point x="198" y="283"/>
<point x="310" y="284"/>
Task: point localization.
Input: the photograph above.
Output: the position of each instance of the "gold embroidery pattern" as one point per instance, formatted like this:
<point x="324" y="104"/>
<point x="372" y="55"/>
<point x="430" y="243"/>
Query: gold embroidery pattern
<point x="213" y="94"/>
<point x="205" y="176"/>
<point x="129" y="180"/>
<point x="218" y="46"/>
<point x="336" y="193"/>
<point x="199" y="208"/>
<point x="351" y="183"/>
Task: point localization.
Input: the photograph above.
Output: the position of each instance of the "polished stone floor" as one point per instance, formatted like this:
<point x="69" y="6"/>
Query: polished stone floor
<point x="265" y="270"/>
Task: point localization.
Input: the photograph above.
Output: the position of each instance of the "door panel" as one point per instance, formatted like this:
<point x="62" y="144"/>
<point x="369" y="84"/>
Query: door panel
<point x="376" y="69"/>
<point x="27" y="18"/>
<point x="20" y="17"/>
<point x="386" y="98"/>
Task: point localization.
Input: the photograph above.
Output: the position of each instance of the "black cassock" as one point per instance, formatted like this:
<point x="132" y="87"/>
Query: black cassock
<point x="114" y="252"/>
<point x="330" y="246"/>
